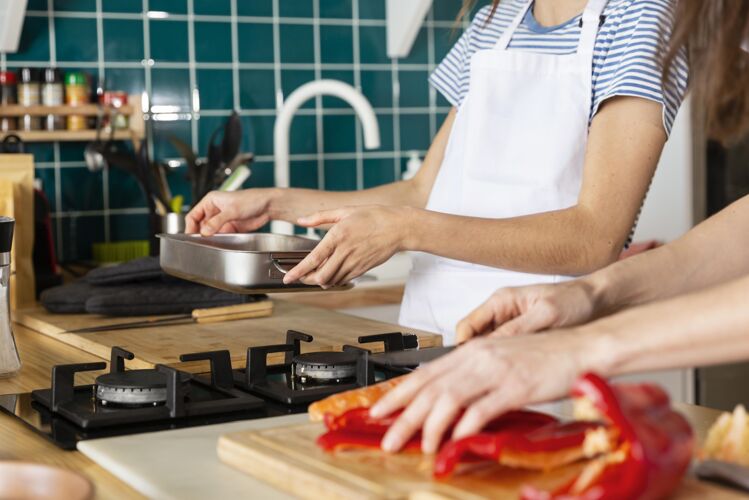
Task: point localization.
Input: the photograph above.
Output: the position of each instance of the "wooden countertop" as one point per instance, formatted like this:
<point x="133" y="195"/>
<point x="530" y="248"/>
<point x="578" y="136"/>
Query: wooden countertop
<point x="39" y="353"/>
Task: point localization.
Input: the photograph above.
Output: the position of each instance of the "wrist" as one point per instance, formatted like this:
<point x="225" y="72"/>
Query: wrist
<point x="408" y="229"/>
<point x="597" y="349"/>
<point x="600" y="288"/>
<point x="274" y="202"/>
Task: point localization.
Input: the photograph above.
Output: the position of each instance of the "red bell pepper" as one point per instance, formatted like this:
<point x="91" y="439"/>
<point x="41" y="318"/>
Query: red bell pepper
<point x="530" y="447"/>
<point x="653" y="448"/>
<point x="356" y="429"/>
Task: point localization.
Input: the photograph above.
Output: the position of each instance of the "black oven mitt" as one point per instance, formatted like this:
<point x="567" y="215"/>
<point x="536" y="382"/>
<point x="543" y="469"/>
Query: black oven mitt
<point x="136" y="288"/>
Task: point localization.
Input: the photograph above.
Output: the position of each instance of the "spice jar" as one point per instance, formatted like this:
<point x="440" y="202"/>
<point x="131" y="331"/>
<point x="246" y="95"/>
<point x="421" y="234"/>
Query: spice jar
<point x="29" y="95"/>
<point x="114" y="100"/>
<point x="53" y="95"/>
<point x="8" y="97"/>
<point x="77" y="92"/>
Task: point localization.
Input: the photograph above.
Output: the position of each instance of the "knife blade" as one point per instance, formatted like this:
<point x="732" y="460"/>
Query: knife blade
<point x="409" y="357"/>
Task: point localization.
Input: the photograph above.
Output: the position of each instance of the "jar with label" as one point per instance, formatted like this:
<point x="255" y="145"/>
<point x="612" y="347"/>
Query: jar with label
<point x="53" y="95"/>
<point x="114" y="100"/>
<point x="8" y="97"/>
<point x="77" y="92"/>
<point x="29" y="95"/>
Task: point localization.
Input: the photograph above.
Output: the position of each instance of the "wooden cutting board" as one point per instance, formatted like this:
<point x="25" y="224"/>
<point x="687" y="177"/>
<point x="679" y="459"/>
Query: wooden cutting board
<point x="164" y="344"/>
<point x="289" y="459"/>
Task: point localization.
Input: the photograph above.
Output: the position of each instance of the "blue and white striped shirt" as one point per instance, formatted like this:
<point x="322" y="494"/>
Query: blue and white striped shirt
<point x="626" y="61"/>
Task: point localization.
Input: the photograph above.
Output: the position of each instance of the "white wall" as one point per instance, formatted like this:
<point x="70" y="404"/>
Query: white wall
<point x="667" y="214"/>
<point x="668" y="210"/>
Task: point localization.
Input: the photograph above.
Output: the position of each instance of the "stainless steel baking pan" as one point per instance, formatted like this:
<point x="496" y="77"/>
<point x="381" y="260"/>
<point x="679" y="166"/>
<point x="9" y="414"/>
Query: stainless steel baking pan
<point x="240" y="263"/>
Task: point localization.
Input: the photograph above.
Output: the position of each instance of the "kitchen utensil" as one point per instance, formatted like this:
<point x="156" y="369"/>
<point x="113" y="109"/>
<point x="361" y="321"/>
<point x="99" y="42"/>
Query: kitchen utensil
<point x="409" y="357"/>
<point x="155" y="197"/>
<point x="10" y="362"/>
<point x="232" y="138"/>
<point x="211" y="315"/>
<point x="724" y="472"/>
<point x="176" y="204"/>
<point x="236" y="179"/>
<point x="225" y="172"/>
<point x="12" y="144"/>
<point x="173" y="223"/>
<point x="161" y="170"/>
<point x="25" y="480"/>
<point x="240" y="263"/>
<point x="92" y="154"/>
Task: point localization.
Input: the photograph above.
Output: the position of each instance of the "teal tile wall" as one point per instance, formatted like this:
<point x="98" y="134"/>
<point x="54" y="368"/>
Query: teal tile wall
<point x="237" y="54"/>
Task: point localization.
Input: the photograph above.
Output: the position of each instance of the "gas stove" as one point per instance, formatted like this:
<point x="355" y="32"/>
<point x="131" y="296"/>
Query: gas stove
<point x="136" y="401"/>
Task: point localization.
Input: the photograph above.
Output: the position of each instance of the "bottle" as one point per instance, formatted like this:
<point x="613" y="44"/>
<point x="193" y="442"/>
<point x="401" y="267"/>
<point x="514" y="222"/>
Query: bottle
<point x="53" y="95"/>
<point x="29" y="95"/>
<point x="10" y="362"/>
<point x="412" y="166"/>
<point x="8" y="97"/>
<point x="77" y="92"/>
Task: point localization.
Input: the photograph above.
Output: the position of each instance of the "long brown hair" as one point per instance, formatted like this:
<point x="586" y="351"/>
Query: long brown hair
<point x="716" y="33"/>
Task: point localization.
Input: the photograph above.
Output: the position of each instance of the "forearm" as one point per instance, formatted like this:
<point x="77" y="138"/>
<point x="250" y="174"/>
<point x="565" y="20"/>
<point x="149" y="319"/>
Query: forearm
<point x="711" y="253"/>
<point x="291" y="204"/>
<point x="567" y="242"/>
<point x="702" y="328"/>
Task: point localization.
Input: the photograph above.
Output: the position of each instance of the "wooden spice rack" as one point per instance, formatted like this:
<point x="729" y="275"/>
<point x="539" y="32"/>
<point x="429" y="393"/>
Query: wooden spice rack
<point x="135" y="131"/>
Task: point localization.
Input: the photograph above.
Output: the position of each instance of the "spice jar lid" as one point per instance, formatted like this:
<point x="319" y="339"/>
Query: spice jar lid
<point x="6" y="233"/>
<point x="52" y="75"/>
<point x="29" y="75"/>
<point x="7" y="78"/>
<point x="76" y="78"/>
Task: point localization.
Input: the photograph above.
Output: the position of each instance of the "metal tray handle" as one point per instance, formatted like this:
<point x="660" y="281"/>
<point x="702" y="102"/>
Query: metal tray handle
<point x="284" y="264"/>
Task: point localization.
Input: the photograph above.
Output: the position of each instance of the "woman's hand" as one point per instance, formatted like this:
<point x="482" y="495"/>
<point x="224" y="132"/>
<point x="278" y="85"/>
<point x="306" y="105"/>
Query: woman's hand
<point x="237" y="212"/>
<point x="530" y="309"/>
<point x="360" y="239"/>
<point x="486" y="377"/>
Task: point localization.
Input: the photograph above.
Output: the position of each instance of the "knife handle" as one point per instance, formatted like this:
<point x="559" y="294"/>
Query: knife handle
<point x="230" y="313"/>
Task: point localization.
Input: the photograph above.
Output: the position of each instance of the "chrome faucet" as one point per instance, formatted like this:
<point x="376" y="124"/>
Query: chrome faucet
<point x="283" y="124"/>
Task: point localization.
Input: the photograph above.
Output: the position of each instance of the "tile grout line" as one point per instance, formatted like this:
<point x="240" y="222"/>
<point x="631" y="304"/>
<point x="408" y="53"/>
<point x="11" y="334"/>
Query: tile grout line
<point x="148" y="63"/>
<point x="329" y="21"/>
<point x="319" y="125"/>
<point x="102" y="80"/>
<point x="432" y="92"/>
<point x="194" y="91"/>
<point x="56" y="145"/>
<point x="396" y="119"/>
<point x="277" y="70"/>
<point x="357" y="84"/>
<point x="219" y="65"/>
<point x="235" y="56"/>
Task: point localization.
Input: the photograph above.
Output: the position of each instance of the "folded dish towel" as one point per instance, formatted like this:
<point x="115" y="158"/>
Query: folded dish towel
<point x="136" y="288"/>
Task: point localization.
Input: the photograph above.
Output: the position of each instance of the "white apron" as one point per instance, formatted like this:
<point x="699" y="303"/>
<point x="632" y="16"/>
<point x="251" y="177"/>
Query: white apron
<point x="517" y="147"/>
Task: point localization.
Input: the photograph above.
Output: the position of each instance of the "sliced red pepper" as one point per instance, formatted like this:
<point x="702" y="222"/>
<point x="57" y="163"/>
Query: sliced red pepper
<point x="550" y="442"/>
<point x="654" y="445"/>
<point x="356" y="429"/>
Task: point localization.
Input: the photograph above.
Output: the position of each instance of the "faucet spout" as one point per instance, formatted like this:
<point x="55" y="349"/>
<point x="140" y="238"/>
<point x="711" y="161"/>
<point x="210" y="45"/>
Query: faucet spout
<point x="335" y="88"/>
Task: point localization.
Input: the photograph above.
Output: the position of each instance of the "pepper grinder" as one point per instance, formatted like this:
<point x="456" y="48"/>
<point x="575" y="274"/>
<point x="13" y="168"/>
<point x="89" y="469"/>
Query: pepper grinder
<point x="10" y="363"/>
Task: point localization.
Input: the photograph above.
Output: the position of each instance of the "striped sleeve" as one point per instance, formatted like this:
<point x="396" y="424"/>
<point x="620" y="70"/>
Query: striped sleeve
<point x="449" y="76"/>
<point x="632" y="65"/>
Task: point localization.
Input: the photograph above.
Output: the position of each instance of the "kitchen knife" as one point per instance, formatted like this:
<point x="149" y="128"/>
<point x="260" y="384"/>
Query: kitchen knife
<point x="724" y="472"/>
<point x="409" y="357"/>
<point x="249" y="310"/>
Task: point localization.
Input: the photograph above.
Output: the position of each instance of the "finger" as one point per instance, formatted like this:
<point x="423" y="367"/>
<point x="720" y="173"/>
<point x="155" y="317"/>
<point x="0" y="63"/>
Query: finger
<point x="499" y="308"/>
<point x="322" y="217"/>
<point x="327" y="271"/>
<point x="440" y="418"/>
<point x="214" y="222"/>
<point x="228" y="228"/>
<point x="401" y="394"/>
<point x="487" y="408"/>
<point x="251" y="224"/>
<point x="311" y="262"/>
<point x="530" y="322"/>
<point x="193" y="218"/>
<point x="408" y="423"/>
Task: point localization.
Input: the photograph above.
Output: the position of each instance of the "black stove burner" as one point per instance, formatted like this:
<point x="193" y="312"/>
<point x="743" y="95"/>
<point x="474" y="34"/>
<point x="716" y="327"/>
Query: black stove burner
<point x="134" y="388"/>
<point x="305" y="378"/>
<point x="325" y="367"/>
